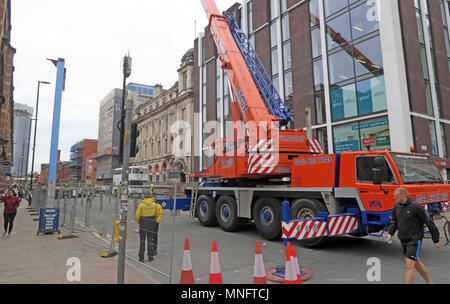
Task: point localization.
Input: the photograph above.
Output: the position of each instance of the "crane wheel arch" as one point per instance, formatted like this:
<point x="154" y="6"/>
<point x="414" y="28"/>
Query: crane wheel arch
<point x="308" y="208"/>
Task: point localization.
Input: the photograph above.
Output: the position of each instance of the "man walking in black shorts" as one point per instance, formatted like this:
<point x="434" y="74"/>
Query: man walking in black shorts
<point x="409" y="217"/>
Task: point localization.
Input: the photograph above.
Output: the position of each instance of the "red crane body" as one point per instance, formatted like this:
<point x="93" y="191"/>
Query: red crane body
<point x="261" y="150"/>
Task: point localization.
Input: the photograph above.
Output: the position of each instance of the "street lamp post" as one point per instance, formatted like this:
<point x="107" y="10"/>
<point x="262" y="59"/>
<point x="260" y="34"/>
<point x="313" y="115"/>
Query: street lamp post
<point x="125" y="148"/>
<point x="34" y="141"/>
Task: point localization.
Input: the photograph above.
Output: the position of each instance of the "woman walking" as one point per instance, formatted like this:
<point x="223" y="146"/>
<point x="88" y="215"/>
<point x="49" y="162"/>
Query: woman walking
<point x="12" y="202"/>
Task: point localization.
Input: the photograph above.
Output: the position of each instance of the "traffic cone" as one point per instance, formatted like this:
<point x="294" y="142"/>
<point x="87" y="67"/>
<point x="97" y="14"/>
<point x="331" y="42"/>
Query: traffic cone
<point x="187" y="275"/>
<point x="295" y="263"/>
<point x="290" y="275"/>
<point x="215" y="275"/>
<point x="259" y="276"/>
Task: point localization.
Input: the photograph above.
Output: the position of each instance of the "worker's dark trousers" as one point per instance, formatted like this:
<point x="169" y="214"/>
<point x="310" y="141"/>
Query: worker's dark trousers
<point x="148" y="232"/>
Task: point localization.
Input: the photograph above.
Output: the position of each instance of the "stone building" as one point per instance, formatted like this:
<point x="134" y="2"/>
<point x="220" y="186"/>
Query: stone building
<point x="166" y="125"/>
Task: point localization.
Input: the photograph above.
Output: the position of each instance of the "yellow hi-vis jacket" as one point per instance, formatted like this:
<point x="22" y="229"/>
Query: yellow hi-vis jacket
<point x="149" y="207"/>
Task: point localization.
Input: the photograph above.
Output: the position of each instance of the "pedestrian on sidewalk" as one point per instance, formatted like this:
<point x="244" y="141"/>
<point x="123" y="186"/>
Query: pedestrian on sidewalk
<point x="148" y="215"/>
<point x="9" y="214"/>
<point x="409" y="218"/>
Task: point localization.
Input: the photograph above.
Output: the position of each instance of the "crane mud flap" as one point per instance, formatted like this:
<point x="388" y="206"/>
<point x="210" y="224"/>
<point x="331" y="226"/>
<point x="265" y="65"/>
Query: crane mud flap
<point x="322" y="226"/>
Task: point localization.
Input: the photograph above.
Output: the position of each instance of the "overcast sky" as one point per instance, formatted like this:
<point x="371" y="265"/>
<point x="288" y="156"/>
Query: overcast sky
<point x="93" y="36"/>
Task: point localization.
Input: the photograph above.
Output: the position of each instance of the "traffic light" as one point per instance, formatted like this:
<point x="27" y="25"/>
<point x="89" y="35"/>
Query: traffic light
<point x="134" y="148"/>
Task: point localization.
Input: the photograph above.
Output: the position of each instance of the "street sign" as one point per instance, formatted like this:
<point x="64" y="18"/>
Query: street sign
<point x="369" y="141"/>
<point x="173" y="175"/>
<point x="48" y="220"/>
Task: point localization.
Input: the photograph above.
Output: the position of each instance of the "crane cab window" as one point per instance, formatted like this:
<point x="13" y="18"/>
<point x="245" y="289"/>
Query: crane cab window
<point x="364" y="166"/>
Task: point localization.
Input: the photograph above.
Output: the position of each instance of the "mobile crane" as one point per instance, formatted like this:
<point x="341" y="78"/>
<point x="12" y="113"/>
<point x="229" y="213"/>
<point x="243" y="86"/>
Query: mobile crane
<point x="281" y="180"/>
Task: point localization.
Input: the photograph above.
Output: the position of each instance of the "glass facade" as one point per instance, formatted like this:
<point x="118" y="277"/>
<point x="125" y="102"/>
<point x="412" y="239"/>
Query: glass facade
<point x="142" y="89"/>
<point x="355" y="73"/>
<point x="349" y="137"/>
<point x="446" y="22"/>
<point x="280" y="15"/>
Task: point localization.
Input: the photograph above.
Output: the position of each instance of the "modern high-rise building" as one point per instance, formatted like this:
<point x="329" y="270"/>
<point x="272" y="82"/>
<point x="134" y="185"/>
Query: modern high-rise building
<point x="109" y="136"/>
<point x="22" y="133"/>
<point x="348" y="70"/>
<point x="108" y="154"/>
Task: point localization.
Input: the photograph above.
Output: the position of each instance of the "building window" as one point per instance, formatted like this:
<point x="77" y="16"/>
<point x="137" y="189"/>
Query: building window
<point x="428" y="71"/>
<point x="350" y="137"/>
<point x="340" y="66"/>
<point x="316" y="42"/>
<point x="446" y="23"/>
<point x="369" y="96"/>
<point x="332" y="6"/>
<point x="433" y="137"/>
<point x="343" y="102"/>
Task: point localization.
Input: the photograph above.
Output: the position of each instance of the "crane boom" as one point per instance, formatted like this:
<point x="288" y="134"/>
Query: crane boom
<point x="263" y="147"/>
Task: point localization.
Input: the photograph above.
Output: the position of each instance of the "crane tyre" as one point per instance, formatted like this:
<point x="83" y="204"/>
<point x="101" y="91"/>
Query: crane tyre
<point x="267" y="214"/>
<point x="226" y="214"/>
<point x="308" y="208"/>
<point x="206" y="210"/>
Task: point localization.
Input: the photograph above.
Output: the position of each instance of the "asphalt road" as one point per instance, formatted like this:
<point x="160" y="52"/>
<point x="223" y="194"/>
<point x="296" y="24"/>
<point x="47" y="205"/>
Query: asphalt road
<point x="344" y="260"/>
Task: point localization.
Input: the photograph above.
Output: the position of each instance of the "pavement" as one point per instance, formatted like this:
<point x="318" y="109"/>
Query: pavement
<point x="28" y="258"/>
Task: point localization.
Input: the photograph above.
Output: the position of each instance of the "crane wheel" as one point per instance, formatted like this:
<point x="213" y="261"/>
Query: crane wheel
<point x="267" y="214"/>
<point x="206" y="211"/>
<point x="226" y="214"/>
<point x="308" y="208"/>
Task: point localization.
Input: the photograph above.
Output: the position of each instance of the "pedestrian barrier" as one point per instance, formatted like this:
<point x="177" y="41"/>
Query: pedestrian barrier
<point x="94" y="221"/>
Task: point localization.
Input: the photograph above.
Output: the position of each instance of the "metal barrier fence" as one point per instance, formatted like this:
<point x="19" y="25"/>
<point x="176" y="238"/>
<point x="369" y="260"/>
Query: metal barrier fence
<point x="91" y="213"/>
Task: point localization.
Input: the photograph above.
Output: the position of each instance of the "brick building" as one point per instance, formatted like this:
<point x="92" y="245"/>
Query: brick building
<point x="83" y="167"/>
<point x="62" y="170"/>
<point x="6" y="89"/>
<point x="348" y="70"/>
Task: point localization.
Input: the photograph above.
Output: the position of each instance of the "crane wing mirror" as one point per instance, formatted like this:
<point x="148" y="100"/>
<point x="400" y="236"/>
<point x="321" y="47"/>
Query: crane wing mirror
<point x="379" y="170"/>
<point x="376" y="176"/>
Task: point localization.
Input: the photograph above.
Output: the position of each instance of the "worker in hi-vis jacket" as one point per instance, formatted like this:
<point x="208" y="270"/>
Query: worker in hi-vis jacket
<point x="148" y="215"/>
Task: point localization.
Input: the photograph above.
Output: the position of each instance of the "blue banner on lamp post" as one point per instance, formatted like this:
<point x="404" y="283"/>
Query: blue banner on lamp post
<point x="56" y="120"/>
<point x="60" y="75"/>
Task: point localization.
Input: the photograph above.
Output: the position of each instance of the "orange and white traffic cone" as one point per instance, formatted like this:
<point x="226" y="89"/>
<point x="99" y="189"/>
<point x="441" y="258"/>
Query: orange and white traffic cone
<point x="215" y="275"/>
<point x="290" y="275"/>
<point x="187" y="275"/>
<point x="295" y="264"/>
<point x="259" y="276"/>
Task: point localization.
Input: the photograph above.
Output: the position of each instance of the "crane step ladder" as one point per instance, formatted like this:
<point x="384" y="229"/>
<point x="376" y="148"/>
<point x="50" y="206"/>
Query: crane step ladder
<point x="322" y="226"/>
<point x="194" y="195"/>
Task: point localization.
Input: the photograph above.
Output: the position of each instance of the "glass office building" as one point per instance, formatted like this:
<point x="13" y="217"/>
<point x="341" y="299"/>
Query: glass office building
<point x="349" y="70"/>
<point x="23" y="115"/>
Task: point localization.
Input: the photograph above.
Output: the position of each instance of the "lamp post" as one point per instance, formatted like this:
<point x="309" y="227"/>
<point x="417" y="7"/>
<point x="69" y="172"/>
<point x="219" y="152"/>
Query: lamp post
<point x="125" y="149"/>
<point x="126" y="69"/>
<point x="34" y="141"/>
